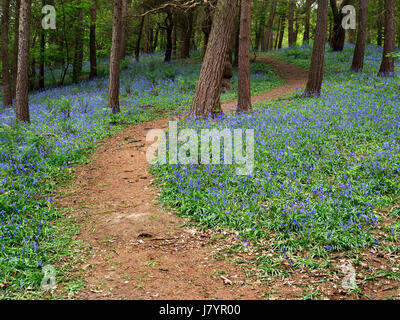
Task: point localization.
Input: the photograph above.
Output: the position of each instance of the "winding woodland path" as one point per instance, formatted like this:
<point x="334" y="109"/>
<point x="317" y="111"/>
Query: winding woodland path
<point x="142" y="251"/>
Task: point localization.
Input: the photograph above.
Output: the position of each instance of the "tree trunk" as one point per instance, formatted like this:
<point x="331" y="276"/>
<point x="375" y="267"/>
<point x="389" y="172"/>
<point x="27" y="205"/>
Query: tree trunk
<point x="270" y="24"/>
<point x="278" y="32"/>
<point x="139" y="39"/>
<point x="147" y="30"/>
<point x="338" y="33"/>
<point x="113" y="85"/>
<point x="187" y="35"/>
<point x="282" y="33"/>
<point x="22" y="101"/>
<point x="16" y="44"/>
<point x="42" y="51"/>
<point x="206" y="26"/>
<point x="244" y="94"/>
<point x="358" y="58"/>
<point x="237" y="37"/>
<point x="92" y="36"/>
<point x="7" y="101"/>
<point x="306" y="35"/>
<point x="387" y="65"/>
<point x="78" y="50"/>
<point x="174" y="41"/>
<point x="169" y="26"/>
<point x="206" y="101"/>
<point x="379" y="38"/>
<point x="292" y="40"/>
<point x="124" y="28"/>
<point x="316" y="72"/>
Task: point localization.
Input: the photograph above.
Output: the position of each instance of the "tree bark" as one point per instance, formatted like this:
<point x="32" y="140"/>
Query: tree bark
<point x="139" y="39"/>
<point x="306" y="35"/>
<point x="316" y="72"/>
<point x="206" y="26"/>
<point x="169" y="27"/>
<point x="124" y="28"/>
<point x="7" y="101"/>
<point x="270" y="24"/>
<point x="92" y="39"/>
<point x="78" y="50"/>
<point x="113" y="85"/>
<point x="206" y="101"/>
<point x="379" y="39"/>
<point x="292" y="40"/>
<point x="244" y="94"/>
<point x="187" y="35"/>
<point x="22" y="100"/>
<point x="16" y="44"/>
<point x="358" y="58"/>
<point x="282" y="33"/>
<point x="338" y="33"/>
<point x="42" y="52"/>
<point x="387" y="65"/>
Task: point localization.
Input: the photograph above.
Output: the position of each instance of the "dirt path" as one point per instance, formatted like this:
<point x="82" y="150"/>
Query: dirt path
<point x="295" y="77"/>
<point x="140" y="250"/>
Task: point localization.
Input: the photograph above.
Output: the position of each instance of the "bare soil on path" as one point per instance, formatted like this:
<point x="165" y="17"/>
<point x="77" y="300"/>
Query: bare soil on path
<point x="142" y="251"/>
<point x="294" y="76"/>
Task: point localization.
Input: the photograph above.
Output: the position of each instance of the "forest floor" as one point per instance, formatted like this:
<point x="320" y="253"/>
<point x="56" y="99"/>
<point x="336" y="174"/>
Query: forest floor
<point x="139" y="250"/>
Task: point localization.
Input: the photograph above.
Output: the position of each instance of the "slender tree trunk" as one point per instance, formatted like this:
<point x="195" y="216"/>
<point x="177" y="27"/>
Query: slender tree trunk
<point x="206" y="26"/>
<point x="278" y="32"/>
<point x="282" y="33"/>
<point x="16" y="44"/>
<point x="306" y="36"/>
<point x="32" y="72"/>
<point x="169" y="26"/>
<point x="92" y="36"/>
<point x="206" y="100"/>
<point x="379" y="39"/>
<point x="187" y="36"/>
<point x="5" y="56"/>
<point x="292" y="41"/>
<point x="237" y="37"/>
<point x="124" y="28"/>
<point x="174" y="41"/>
<point x="78" y="52"/>
<point x="338" y="33"/>
<point x="42" y="52"/>
<point x="358" y="58"/>
<point x="139" y="39"/>
<point x="387" y="65"/>
<point x="316" y="72"/>
<point x="113" y="85"/>
<point x="244" y="94"/>
<point x="147" y="42"/>
<point x="22" y="100"/>
<point x="155" y="42"/>
<point x="270" y="24"/>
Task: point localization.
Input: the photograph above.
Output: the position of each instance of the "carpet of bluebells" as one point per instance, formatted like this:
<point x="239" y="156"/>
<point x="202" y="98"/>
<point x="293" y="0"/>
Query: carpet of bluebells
<point x="66" y="123"/>
<point x="327" y="170"/>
